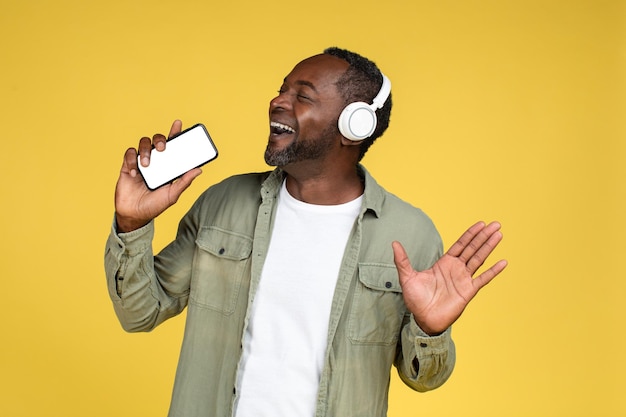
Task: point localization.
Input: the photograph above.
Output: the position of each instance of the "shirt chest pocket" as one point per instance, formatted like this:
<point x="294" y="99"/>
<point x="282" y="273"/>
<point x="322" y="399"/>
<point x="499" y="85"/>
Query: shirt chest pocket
<point x="377" y="308"/>
<point x="221" y="262"/>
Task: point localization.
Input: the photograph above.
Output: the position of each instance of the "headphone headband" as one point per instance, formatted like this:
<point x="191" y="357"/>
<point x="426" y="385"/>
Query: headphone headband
<point x="383" y="94"/>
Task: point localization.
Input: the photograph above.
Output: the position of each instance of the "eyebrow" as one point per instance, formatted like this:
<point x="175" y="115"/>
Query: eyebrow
<point x="304" y="82"/>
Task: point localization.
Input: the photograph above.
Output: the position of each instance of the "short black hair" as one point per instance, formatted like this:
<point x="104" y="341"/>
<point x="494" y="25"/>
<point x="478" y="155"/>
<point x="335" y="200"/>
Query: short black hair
<point x="362" y="82"/>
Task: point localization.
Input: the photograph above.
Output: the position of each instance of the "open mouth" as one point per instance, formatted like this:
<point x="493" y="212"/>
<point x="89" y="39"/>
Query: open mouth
<point x="280" y="129"/>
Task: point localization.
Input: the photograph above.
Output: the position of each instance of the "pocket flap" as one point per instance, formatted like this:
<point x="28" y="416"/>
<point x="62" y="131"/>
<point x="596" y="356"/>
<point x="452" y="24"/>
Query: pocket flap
<point x="224" y="243"/>
<point x="382" y="277"/>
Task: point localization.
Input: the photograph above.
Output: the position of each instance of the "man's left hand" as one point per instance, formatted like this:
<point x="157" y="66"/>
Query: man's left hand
<point x="438" y="296"/>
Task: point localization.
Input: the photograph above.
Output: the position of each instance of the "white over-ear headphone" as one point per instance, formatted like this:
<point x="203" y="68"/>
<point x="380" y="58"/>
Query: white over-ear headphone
<point x="358" y="120"/>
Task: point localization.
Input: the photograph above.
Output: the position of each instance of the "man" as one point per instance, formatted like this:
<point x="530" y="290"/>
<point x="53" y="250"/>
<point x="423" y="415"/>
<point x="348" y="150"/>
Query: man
<point x="303" y="285"/>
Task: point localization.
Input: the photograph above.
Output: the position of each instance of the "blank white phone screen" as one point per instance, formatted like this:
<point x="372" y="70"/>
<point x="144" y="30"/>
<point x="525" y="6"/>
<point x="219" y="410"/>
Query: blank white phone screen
<point x="192" y="148"/>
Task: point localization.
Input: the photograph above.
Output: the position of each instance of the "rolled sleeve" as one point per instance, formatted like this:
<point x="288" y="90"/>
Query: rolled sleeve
<point x="138" y="300"/>
<point x="428" y="361"/>
<point x="120" y="250"/>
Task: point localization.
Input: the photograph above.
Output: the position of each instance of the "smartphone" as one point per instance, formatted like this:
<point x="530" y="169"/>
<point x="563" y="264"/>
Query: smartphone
<point x="191" y="148"/>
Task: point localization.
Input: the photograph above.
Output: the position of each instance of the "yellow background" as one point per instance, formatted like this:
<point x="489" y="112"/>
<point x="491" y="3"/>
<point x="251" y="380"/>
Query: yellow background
<point x="508" y="110"/>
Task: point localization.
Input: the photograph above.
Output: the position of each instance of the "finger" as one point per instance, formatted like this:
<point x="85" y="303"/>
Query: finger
<point x="478" y="241"/>
<point x="486" y="277"/>
<point x="130" y="162"/>
<point x="177" y="126"/>
<point x="158" y="141"/>
<point x="401" y="259"/>
<point x="145" y="147"/>
<point x="459" y="246"/>
<point x="483" y="252"/>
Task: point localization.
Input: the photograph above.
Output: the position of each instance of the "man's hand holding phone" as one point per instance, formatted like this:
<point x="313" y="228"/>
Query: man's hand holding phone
<point x="136" y="204"/>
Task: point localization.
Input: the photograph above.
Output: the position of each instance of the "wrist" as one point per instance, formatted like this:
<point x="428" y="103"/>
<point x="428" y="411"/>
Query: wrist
<point x="427" y="330"/>
<point x="124" y="224"/>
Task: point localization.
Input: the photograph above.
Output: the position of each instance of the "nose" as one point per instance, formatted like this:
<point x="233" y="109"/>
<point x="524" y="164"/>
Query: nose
<point x="281" y="101"/>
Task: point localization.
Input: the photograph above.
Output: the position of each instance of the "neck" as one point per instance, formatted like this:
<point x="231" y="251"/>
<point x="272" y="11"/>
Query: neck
<point x="328" y="187"/>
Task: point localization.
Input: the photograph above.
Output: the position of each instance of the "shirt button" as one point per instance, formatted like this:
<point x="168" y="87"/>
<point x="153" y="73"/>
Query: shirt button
<point x="222" y="250"/>
<point x="387" y="284"/>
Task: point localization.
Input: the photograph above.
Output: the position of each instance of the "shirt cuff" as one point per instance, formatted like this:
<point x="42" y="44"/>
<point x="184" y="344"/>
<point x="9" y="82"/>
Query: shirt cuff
<point x="426" y="345"/>
<point x="132" y="242"/>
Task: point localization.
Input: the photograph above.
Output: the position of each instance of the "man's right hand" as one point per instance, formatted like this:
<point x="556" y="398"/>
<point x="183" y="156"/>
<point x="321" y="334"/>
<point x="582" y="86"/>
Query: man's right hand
<point x="135" y="204"/>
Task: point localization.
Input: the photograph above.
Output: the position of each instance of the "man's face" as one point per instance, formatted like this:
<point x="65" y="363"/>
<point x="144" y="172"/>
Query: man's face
<point x="303" y="117"/>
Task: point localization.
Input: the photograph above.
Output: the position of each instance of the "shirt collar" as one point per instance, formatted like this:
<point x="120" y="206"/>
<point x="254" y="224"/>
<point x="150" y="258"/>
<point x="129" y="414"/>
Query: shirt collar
<point x="373" y="196"/>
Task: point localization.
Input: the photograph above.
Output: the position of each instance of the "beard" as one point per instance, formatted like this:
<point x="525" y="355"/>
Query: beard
<point x="302" y="150"/>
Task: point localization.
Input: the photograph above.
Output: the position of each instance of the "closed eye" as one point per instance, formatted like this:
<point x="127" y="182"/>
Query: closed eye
<point x="299" y="96"/>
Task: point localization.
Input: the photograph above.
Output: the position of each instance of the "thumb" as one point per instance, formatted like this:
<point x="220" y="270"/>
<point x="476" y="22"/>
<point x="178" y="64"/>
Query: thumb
<point x="180" y="185"/>
<point x="401" y="259"/>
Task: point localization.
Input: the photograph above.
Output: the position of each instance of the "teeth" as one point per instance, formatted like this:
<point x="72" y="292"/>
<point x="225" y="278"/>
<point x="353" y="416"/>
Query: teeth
<point x="281" y="126"/>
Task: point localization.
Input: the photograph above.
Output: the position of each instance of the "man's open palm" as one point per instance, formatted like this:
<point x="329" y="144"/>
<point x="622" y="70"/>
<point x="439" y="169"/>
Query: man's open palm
<point x="438" y="296"/>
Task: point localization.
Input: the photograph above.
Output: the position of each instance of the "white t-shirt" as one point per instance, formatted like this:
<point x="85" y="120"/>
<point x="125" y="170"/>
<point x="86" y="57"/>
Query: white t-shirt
<point x="285" y="341"/>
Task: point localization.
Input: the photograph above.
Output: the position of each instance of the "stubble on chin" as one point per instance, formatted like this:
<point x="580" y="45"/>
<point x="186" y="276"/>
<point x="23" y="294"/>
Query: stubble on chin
<point x="301" y="150"/>
<point x="279" y="158"/>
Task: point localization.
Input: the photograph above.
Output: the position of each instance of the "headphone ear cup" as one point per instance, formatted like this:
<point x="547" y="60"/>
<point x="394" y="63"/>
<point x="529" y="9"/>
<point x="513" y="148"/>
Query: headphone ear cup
<point x="357" y="121"/>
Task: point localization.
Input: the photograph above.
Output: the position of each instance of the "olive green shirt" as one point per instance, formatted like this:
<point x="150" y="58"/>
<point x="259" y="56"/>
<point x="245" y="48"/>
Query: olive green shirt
<point x="213" y="268"/>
